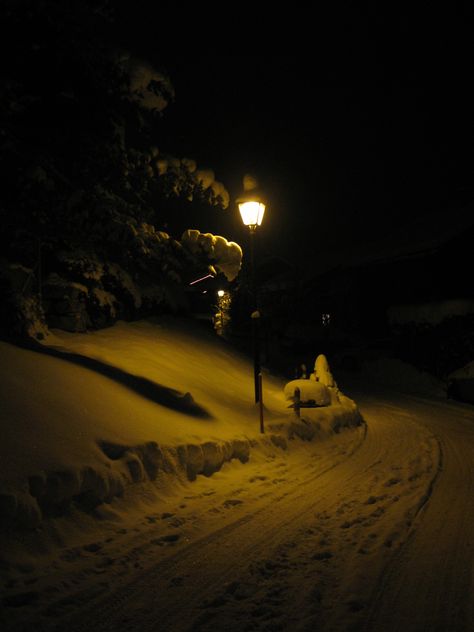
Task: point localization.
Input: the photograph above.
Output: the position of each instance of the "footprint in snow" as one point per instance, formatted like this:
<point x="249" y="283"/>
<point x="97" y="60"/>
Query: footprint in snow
<point x="232" y="502"/>
<point x="93" y="547"/>
<point x="151" y="519"/>
<point x="166" y="540"/>
<point x="322" y="555"/>
<point x="392" y="481"/>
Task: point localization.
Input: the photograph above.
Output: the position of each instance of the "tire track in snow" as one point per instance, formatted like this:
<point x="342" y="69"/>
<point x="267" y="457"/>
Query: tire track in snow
<point x="284" y="559"/>
<point x="427" y="585"/>
<point x="381" y="586"/>
<point x="364" y="562"/>
<point x="124" y="598"/>
<point x="288" y="537"/>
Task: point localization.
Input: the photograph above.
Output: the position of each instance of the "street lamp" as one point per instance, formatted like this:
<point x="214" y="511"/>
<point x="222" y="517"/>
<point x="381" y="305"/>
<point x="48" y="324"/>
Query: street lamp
<point x="252" y="210"/>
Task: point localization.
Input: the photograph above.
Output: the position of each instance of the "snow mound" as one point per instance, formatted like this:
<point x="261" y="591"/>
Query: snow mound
<point x="321" y="388"/>
<point x="401" y="376"/>
<point x="320" y="423"/>
<point x="52" y="494"/>
<point x="461" y="383"/>
<point x="322" y="372"/>
<point x="85" y="417"/>
<point x="464" y="373"/>
<point x="310" y="391"/>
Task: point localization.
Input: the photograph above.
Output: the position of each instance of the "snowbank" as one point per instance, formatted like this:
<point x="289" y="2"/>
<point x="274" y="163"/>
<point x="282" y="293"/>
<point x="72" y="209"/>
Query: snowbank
<point x="86" y="415"/>
<point x="461" y="383"/>
<point x="401" y="376"/>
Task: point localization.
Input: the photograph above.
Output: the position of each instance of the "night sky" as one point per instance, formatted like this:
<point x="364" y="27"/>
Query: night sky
<point x="350" y="139"/>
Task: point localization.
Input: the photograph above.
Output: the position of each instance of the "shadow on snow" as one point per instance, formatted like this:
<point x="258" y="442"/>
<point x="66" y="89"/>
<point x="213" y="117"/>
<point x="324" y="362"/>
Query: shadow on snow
<point x="158" y="394"/>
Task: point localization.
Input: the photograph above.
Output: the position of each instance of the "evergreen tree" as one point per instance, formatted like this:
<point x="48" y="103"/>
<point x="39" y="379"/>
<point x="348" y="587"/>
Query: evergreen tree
<point x="85" y="187"/>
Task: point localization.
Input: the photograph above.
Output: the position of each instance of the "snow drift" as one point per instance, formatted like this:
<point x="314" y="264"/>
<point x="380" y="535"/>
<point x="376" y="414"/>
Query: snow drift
<point x="84" y="416"/>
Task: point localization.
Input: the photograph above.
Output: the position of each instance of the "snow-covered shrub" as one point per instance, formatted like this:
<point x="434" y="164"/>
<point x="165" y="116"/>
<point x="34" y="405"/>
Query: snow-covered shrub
<point x="322" y="372"/>
<point x="181" y="178"/>
<point x="65" y="304"/>
<point x="396" y="374"/>
<point x="321" y="388"/>
<point x="21" y="312"/>
<point x="93" y="187"/>
<point x="225" y="255"/>
<point x="150" y="89"/>
<point x="461" y="383"/>
<point x="311" y="392"/>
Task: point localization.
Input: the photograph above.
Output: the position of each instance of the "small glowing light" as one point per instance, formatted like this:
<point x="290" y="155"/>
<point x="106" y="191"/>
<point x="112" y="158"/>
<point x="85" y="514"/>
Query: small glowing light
<point x="326" y="319"/>
<point x="220" y="293"/>
<point x="252" y="213"/>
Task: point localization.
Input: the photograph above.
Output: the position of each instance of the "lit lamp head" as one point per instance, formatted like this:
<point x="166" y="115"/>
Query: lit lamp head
<point x="220" y="293"/>
<point x="251" y="210"/>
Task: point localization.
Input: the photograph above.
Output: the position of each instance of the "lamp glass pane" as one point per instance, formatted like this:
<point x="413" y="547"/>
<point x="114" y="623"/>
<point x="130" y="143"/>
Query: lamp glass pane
<point x="252" y="213"/>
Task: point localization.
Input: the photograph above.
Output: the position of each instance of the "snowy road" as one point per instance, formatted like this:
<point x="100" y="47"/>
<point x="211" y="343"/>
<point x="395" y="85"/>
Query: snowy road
<point x="429" y="583"/>
<point x="370" y="530"/>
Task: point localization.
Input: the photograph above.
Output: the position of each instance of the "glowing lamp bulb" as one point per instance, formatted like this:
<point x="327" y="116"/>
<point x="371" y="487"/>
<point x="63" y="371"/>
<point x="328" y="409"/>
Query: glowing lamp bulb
<point x="252" y="213"/>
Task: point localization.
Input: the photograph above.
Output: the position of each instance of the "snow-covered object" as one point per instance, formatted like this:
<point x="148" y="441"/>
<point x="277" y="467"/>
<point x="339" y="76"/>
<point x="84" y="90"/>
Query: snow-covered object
<point x="189" y="164"/>
<point x="322" y="372"/>
<point x="464" y="373"/>
<point x="432" y="313"/>
<point x="149" y="88"/>
<point x="461" y="383"/>
<point x="398" y="375"/>
<point x="225" y="255"/>
<point x="221" y="192"/>
<point x="205" y="177"/>
<point x="310" y="391"/>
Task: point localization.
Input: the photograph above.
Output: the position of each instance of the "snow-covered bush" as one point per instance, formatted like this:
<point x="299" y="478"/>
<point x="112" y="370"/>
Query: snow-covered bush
<point x="66" y="304"/>
<point x="21" y="312"/>
<point x="311" y="392"/>
<point x="322" y="372"/>
<point x="182" y="178"/>
<point x="225" y="255"/>
<point x="95" y="188"/>
<point x="321" y="388"/>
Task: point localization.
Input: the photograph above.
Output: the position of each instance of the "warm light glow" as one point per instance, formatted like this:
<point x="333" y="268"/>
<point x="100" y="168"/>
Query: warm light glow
<point x="252" y="213"/>
<point x="220" y="292"/>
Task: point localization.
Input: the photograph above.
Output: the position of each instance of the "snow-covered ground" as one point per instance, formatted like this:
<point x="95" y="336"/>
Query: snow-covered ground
<point x="321" y="523"/>
<point x="401" y="376"/>
<point x="94" y="423"/>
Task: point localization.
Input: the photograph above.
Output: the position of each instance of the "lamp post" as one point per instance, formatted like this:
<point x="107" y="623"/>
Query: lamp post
<point x="252" y="210"/>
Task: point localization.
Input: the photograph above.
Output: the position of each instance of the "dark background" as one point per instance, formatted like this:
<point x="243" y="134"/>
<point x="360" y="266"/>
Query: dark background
<point x="351" y="140"/>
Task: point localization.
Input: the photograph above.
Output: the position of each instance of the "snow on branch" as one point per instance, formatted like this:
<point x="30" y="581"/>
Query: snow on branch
<point x="225" y="255"/>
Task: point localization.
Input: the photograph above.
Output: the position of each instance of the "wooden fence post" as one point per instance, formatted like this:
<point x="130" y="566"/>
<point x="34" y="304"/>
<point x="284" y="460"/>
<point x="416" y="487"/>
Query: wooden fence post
<point x="297" y="401"/>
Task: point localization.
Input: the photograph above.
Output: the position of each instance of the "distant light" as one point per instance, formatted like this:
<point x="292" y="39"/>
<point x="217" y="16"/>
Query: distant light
<point x="326" y="319"/>
<point x="252" y="213"/>
<point x="220" y="293"/>
<point x="202" y="279"/>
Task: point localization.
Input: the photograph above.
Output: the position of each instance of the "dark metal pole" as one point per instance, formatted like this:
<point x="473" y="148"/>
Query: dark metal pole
<point x="255" y="318"/>
<point x="260" y="390"/>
